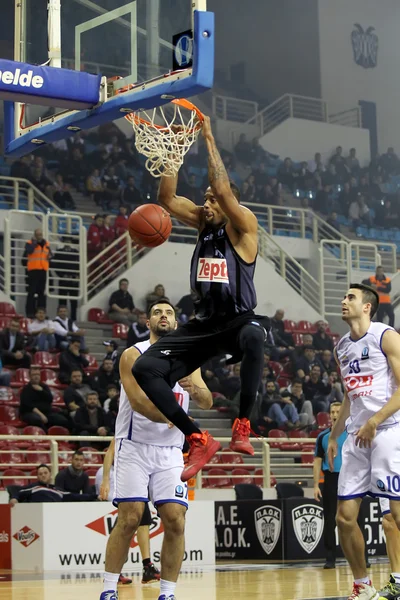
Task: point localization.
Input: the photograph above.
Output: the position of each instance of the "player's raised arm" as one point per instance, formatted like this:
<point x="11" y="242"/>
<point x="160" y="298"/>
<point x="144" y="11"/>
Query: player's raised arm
<point x="136" y="396"/>
<point x="179" y="207"/>
<point x="241" y="218"/>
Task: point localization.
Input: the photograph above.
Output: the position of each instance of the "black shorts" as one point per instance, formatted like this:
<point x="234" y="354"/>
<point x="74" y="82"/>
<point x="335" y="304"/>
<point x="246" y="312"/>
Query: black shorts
<point x="195" y="342"/>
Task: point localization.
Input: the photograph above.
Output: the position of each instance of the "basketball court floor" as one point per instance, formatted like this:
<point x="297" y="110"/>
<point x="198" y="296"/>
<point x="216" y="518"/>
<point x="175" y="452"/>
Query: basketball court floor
<point x="306" y="581"/>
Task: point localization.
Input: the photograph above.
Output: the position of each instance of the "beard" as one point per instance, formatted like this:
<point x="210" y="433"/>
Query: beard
<point x="162" y="331"/>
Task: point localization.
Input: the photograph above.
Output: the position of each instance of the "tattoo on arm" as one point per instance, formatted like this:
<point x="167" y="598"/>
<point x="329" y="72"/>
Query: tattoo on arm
<point x="216" y="169"/>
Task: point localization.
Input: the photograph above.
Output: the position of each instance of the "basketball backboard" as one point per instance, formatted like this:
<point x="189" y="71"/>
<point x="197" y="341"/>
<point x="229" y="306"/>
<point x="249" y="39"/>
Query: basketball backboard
<point x="145" y="51"/>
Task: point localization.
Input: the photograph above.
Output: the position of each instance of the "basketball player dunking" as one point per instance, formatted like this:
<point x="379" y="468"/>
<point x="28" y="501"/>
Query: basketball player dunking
<point x="149" y="460"/>
<point x="369" y="361"/>
<point x="221" y="279"/>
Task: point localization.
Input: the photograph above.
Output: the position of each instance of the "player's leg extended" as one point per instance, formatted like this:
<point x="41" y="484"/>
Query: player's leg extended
<point x="351" y="537"/>
<point x="150" y="573"/>
<point x="129" y="516"/>
<point x="173" y="548"/>
<point x="251" y="343"/>
<point x="391" y="591"/>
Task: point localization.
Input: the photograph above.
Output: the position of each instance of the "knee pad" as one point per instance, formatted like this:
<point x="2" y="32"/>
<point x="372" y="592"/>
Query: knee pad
<point x="252" y="337"/>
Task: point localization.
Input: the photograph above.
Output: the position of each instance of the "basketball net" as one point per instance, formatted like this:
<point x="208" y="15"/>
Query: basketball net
<point x="164" y="135"/>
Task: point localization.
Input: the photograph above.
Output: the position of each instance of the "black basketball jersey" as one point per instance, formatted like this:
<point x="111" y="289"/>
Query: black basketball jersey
<point x="221" y="281"/>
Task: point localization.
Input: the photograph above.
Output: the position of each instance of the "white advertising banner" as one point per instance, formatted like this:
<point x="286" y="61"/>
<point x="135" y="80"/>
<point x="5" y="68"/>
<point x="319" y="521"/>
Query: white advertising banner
<point x="73" y="537"/>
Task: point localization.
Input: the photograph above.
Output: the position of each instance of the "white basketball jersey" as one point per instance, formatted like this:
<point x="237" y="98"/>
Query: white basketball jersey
<point x="134" y="426"/>
<point x="367" y="376"/>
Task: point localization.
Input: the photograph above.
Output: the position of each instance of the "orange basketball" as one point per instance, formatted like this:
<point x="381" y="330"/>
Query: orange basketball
<point x="149" y="225"/>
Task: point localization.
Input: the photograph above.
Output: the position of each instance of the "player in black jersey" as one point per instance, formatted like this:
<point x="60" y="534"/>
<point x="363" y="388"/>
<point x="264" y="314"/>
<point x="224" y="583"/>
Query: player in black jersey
<point x="224" y="296"/>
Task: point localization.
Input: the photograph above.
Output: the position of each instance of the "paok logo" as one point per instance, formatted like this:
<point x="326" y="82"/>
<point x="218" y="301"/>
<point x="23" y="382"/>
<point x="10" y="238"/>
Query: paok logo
<point x="22" y="79"/>
<point x="308" y="524"/>
<point x="353" y="382"/>
<point x="380" y="485"/>
<point x="26" y="536"/>
<point x="268" y="520"/>
<point x="213" y="270"/>
<point x="104" y="525"/>
<point x="365" y="354"/>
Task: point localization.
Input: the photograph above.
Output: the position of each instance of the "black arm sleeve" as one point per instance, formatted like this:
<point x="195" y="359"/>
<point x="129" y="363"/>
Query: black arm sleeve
<point x="319" y="451"/>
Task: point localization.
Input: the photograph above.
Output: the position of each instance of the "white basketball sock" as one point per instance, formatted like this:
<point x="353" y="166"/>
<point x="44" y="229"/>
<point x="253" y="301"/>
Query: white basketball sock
<point x="167" y="587"/>
<point x="110" y="582"/>
<point x="364" y="580"/>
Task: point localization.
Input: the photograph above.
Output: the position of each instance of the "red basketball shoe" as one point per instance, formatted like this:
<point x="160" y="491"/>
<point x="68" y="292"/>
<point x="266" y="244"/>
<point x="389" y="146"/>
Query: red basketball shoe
<point x="124" y="580"/>
<point x="202" y="449"/>
<point x="240" y="437"/>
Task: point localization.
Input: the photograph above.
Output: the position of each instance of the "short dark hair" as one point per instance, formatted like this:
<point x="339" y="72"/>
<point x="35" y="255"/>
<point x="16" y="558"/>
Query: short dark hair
<point x="34" y="368"/>
<point x="161" y="301"/>
<point x="78" y="453"/>
<point x="40" y="308"/>
<point x="297" y="380"/>
<point x="43" y="466"/>
<point x="122" y="281"/>
<point x="369" y="295"/>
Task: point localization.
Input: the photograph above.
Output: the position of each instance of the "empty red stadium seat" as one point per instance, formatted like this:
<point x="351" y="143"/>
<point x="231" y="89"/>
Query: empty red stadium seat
<point x="45" y="360"/>
<point x="9" y="416"/>
<point x="16" y="477"/>
<point x="304" y="327"/>
<point x="23" y="325"/>
<point x="276" y="433"/>
<point x="120" y="331"/>
<point x="91" y="472"/>
<point x="50" y="378"/>
<point x="8" y="430"/>
<point x="6" y="394"/>
<point x="307" y="455"/>
<point x="37" y="456"/>
<point x="242" y="476"/>
<point x="323" y="420"/>
<point x="58" y="399"/>
<point x="289" y="325"/>
<point x="7" y="309"/>
<point x="20" y="378"/>
<point x="92" y="456"/>
<point x="64" y="457"/>
<point x="275" y="367"/>
<point x="32" y="430"/>
<point x="314" y="433"/>
<point x="94" y="314"/>
<point x="283" y="382"/>
<point x="57" y="430"/>
<point x="5" y="322"/>
<point x="229" y="458"/>
<point x="12" y="458"/>
<point x="93" y="365"/>
<point x="298" y="339"/>
<point x="220" y="479"/>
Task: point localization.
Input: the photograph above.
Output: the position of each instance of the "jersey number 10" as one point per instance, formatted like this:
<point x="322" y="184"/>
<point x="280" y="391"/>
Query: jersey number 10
<point x="354" y="366"/>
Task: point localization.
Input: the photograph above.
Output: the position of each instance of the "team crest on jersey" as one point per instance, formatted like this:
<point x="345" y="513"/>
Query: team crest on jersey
<point x="344" y="360"/>
<point x="308" y="525"/>
<point x="268" y="520"/>
<point x="365" y="354"/>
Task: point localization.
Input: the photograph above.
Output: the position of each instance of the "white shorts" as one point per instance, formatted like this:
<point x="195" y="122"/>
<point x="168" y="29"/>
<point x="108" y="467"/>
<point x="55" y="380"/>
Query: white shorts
<point x="374" y="471"/>
<point x="384" y="503"/>
<point x="142" y="470"/>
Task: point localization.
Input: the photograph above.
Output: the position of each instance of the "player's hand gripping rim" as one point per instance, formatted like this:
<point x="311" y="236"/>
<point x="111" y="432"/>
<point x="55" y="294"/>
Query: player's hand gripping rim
<point x="366" y="434"/>
<point x="332" y="453"/>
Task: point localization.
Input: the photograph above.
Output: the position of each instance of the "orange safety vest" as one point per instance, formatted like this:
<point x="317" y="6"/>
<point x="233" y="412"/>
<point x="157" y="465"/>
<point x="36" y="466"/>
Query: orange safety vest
<point x="38" y="260"/>
<point x="384" y="298"/>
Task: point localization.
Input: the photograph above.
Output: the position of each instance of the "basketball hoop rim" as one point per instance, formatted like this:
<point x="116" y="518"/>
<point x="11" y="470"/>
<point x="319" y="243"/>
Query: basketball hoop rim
<point x="182" y="102"/>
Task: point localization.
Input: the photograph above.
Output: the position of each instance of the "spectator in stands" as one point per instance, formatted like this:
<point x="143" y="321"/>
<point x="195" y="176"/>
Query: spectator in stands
<point x="66" y="264"/>
<point x="131" y="196"/>
<point x="339" y="161"/>
<point x="21" y="167"/>
<point x="108" y="231"/>
<point x="185" y="307"/>
<point x="352" y="162"/>
<point x="317" y="390"/>
<point x="112" y="354"/>
<point x="376" y="191"/>
<point x="316" y="164"/>
<point x="74" y="169"/>
<point x="332" y="220"/>
<point x="65" y="328"/>
<point x="261" y="176"/>
<point x="74" y="479"/>
<point x="383" y="285"/>
<point x="321" y="340"/>
<point x="390" y="162"/>
<point x="95" y="187"/>
<point x="112" y="188"/>
<point x="112" y="413"/>
<point x="192" y="191"/>
<point x="278" y="328"/>
<point x="75" y="394"/>
<point x="42" y="331"/>
<point x="121" y="306"/>
<point x="304" y="177"/>
<point x="286" y="174"/>
<point x="105" y="376"/>
<point x="36" y="403"/>
<point x="322" y="201"/>
<point x="210" y="379"/>
<point x="326" y="361"/>
<point x="304" y="363"/>
<point x="40" y="180"/>
<point x="71" y="360"/>
<point x="12" y="344"/>
<point x="5" y="376"/>
<point x="363" y="186"/>
<point x="303" y="406"/>
<point x="62" y="195"/>
<point x="265" y="195"/>
<point x="156" y="295"/>
<point x="243" y="150"/>
<point x="138" y="332"/>
<point x="278" y="408"/>
<point x="112" y="392"/>
<point x="345" y="198"/>
<point x="231" y="385"/>
<point x="386" y="215"/>
<point x="95" y="237"/>
<point x="359" y="213"/>
<point x="330" y="177"/>
<point x="258" y="154"/>
<point x="249" y="193"/>
<point x="91" y="418"/>
<point x="336" y="394"/>
<point x="121" y="222"/>
<point x="36" y="258"/>
<point x="43" y="491"/>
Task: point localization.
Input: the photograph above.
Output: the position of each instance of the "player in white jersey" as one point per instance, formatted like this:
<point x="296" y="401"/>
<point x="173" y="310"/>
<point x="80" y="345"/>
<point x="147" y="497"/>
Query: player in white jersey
<point x="369" y="361"/>
<point x="149" y="461"/>
<point x="391" y="591"/>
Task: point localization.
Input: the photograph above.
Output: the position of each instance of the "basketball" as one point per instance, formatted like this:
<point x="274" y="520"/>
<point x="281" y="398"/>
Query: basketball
<point x="149" y="225"/>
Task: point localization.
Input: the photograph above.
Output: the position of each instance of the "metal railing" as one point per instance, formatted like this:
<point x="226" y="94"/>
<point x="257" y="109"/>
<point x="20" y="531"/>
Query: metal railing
<point x="301" y="107"/>
<point x="2" y="273"/>
<point x="233" y="109"/>
<point x="276" y="463"/>
<point x="289" y="269"/>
